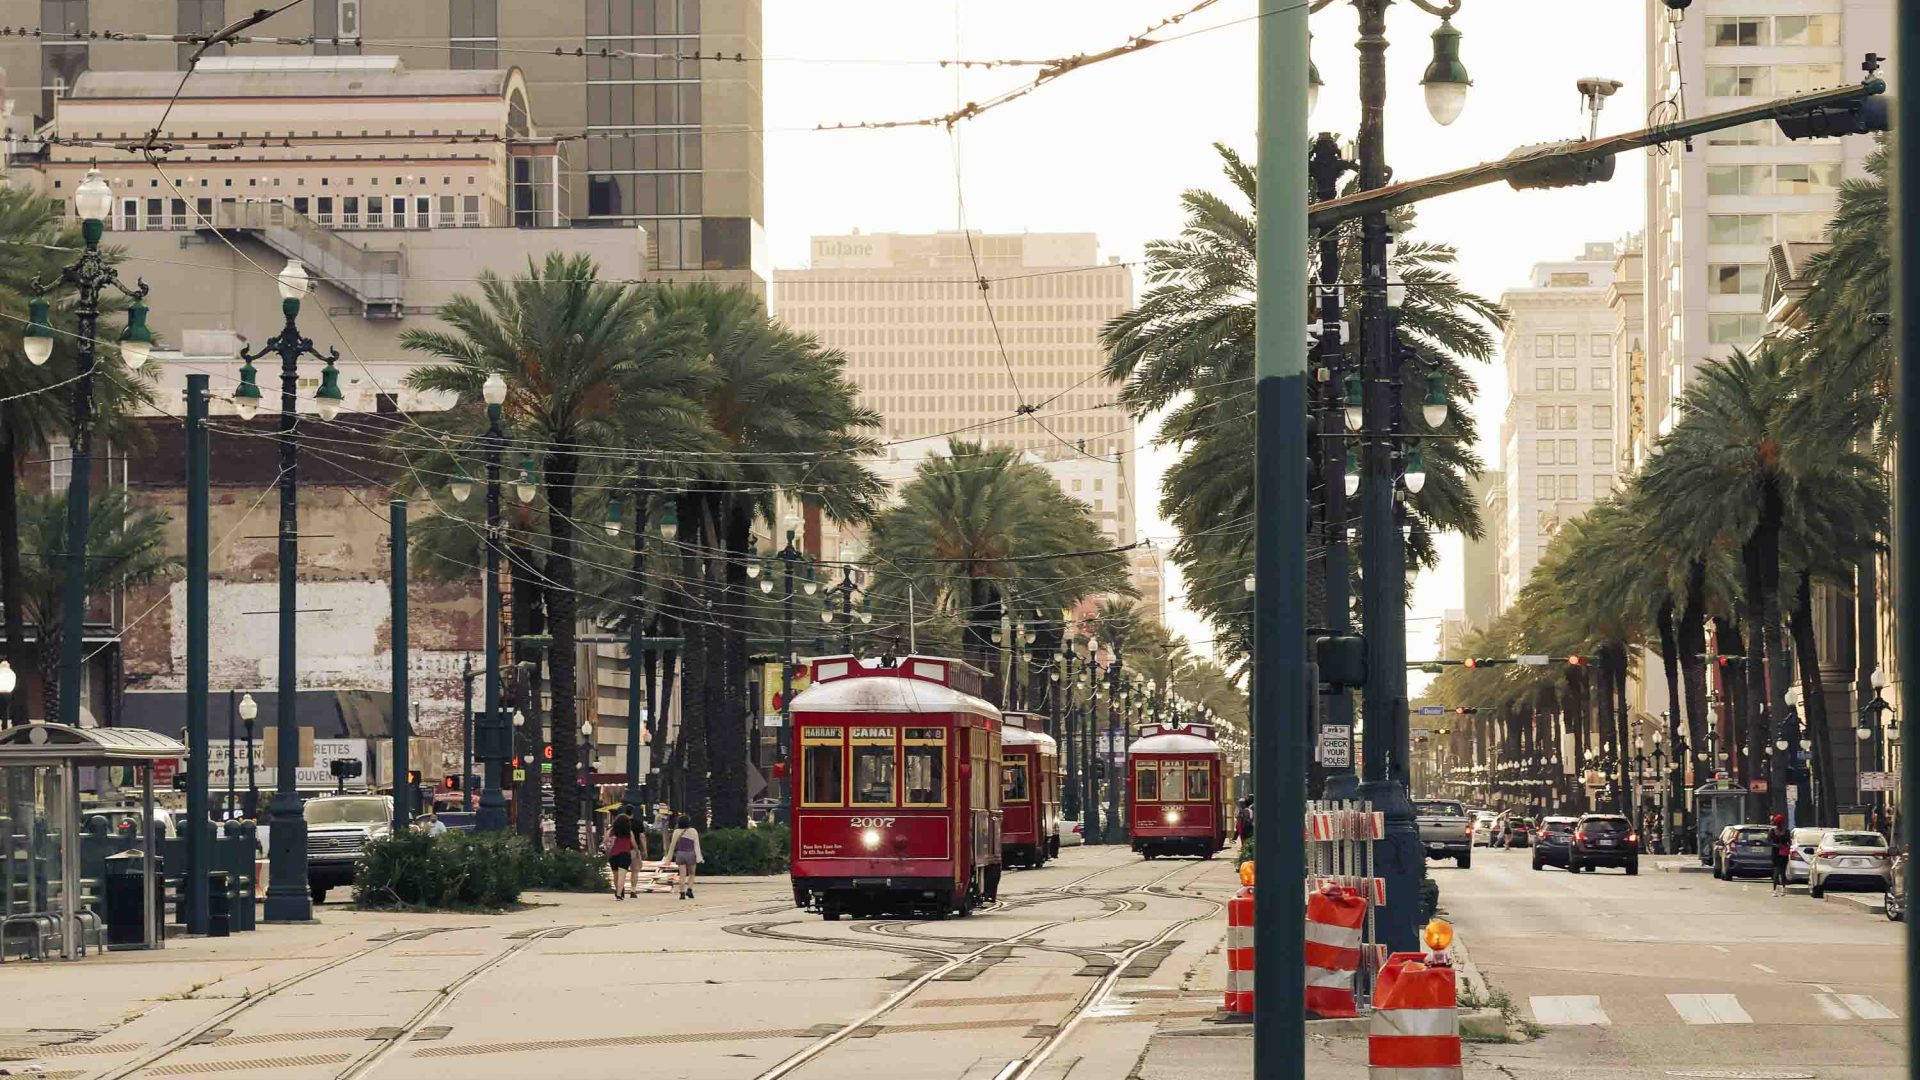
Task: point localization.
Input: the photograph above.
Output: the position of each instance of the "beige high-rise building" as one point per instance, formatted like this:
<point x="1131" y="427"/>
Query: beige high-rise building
<point x="1019" y="366"/>
<point x="673" y="146"/>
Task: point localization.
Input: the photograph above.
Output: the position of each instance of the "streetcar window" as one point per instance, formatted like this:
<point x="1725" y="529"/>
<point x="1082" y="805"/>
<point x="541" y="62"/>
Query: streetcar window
<point x="1173" y="787"/>
<point x="1013" y="783"/>
<point x="926" y="773"/>
<point x="874" y="772"/>
<point x="1146" y="782"/>
<point x="820" y="767"/>
<point x="1198" y="781"/>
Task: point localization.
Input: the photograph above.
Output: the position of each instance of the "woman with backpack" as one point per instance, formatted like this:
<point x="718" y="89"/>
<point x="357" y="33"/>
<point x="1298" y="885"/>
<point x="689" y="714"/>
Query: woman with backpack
<point x="620" y="861"/>
<point x="683" y="847"/>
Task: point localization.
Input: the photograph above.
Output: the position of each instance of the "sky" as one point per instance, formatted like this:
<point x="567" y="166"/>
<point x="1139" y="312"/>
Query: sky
<point x="1109" y="149"/>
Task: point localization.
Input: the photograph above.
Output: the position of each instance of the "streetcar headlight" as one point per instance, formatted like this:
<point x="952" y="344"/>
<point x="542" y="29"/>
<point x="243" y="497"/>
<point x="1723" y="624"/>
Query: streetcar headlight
<point x="1173" y="817"/>
<point x="870" y="839"/>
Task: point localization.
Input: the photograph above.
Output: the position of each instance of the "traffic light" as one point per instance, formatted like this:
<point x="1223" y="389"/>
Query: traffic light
<point x="1558" y="170"/>
<point x="1833" y="121"/>
<point x="450" y="783"/>
<point x="1577" y="660"/>
<point x="346" y="768"/>
<point x="1467" y="710"/>
<point x="1486" y="661"/>
<point x="413" y="777"/>
<point x="1342" y="660"/>
<point x="546" y="751"/>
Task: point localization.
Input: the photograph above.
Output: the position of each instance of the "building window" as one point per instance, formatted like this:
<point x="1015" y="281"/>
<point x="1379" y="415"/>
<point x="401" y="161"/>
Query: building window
<point x="1600" y="378"/>
<point x="1543" y="487"/>
<point x="1569" y="417"/>
<point x="1543" y="417"/>
<point x="1742" y="330"/>
<point x="1565" y="344"/>
<point x="1569" y="488"/>
<point x="1600" y="345"/>
<point x="1739" y="229"/>
<point x="1744" y="80"/>
<point x="644" y="165"/>
<point x="1759" y="133"/>
<point x="1569" y="279"/>
<point x="1569" y="451"/>
<point x="1569" y="380"/>
<point x="1543" y="453"/>
<point x="1802" y="228"/>
<point x="1736" y="279"/>
<point x="1603" y="451"/>
<point x="336" y="19"/>
<point x="1543" y="378"/>
<point x="1800" y="78"/>
<point x="59" y="465"/>
<point x="1807" y="30"/>
<point x="61" y="61"/>
<point x="1543" y="344"/>
<point x="1603" y="483"/>
<point x="473" y="32"/>
<point x="1742" y="31"/>
<point x="1603" y="417"/>
<point x="1814" y="179"/>
<point x="1739" y="180"/>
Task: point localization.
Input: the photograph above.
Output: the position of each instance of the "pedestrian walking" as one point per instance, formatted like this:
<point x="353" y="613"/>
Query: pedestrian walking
<point x="683" y="847"/>
<point x="1243" y="821"/>
<point x="1780" y="840"/>
<point x="620" y="861"/>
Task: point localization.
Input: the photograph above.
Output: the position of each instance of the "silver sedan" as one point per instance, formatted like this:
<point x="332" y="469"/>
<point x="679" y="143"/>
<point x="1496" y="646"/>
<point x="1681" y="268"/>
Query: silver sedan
<point x="1848" y="858"/>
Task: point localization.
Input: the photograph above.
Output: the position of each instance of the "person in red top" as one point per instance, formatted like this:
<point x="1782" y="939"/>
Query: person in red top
<point x="1780" y="839"/>
<point x="620" y="854"/>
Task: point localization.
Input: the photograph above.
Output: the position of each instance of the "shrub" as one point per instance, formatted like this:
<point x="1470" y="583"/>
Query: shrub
<point x="562" y="870"/>
<point x="458" y="870"/>
<point x="731" y="852"/>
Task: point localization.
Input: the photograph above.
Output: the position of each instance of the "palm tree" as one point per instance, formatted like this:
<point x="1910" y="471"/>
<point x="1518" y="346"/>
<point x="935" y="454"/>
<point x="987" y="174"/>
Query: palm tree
<point x="980" y="528"/>
<point x="1187" y="350"/>
<point x="126" y="548"/>
<point x="581" y="358"/>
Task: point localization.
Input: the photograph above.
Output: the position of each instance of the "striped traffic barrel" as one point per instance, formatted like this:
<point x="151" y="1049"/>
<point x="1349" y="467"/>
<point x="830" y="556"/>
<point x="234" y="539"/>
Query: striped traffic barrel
<point x="1334" y="919"/>
<point x="1415" y="1033"/>
<point x="1239" y="1003"/>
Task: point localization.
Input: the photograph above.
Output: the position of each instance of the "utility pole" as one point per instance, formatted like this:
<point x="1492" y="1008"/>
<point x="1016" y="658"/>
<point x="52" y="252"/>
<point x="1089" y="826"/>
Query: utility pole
<point x="1906" y="500"/>
<point x="491" y="729"/>
<point x="403" y="789"/>
<point x="199" y="824"/>
<point x="634" y="797"/>
<point x="466" y="734"/>
<point x="1281" y="691"/>
<point x="1325" y="166"/>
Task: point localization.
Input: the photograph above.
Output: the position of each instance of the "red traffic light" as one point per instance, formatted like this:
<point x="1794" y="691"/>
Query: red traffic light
<point x="450" y="783"/>
<point x="1470" y="662"/>
<point x="1577" y="660"/>
<point x="514" y="762"/>
<point x="547" y="751"/>
<point x="413" y="776"/>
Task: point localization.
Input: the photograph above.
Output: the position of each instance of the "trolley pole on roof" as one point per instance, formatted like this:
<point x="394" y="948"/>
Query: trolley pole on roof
<point x="1280" y="686"/>
<point x="1906" y="322"/>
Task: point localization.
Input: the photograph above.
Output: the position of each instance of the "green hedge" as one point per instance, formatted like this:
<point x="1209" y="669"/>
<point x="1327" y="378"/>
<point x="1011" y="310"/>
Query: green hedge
<point x="463" y="870"/>
<point x="740" y="852"/>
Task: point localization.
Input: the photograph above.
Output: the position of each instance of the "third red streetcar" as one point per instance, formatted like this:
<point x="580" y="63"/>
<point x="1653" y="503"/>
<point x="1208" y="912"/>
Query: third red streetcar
<point x="1179" y="798"/>
<point x="1030" y="782"/>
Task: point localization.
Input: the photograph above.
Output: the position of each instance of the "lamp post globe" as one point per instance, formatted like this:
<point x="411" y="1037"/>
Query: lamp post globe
<point x="37" y="341"/>
<point x="293" y="280"/>
<point x="249" y="709"/>
<point x="1446" y="79"/>
<point x="8" y="678"/>
<point x="93" y="199"/>
<point x="494" y="390"/>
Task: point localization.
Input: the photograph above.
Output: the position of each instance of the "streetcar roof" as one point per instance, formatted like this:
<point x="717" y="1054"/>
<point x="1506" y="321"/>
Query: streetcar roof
<point x="1014" y="736"/>
<point x="1173" y="743"/>
<point x="878" y="693"/>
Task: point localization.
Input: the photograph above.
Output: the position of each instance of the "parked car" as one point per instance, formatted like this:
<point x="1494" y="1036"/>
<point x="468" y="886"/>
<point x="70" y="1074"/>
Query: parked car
<point x="1848" y="858"/>
<point x="1741" y="850"/>
<point x="1486" y="825"/>
<point x="1897" y="888"/>
<point x="1553" y="841"/>
<point x="1520" y="832"/>
<point x="338" y="829"/>
<point x="1072" y="833"/>
<point x="1604" y="840"/>
<point x="1801" y="853"/>
<point x="1445" y="830"/>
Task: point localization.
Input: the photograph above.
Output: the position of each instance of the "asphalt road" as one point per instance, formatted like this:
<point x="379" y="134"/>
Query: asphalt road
<point x="1669" y="974"/>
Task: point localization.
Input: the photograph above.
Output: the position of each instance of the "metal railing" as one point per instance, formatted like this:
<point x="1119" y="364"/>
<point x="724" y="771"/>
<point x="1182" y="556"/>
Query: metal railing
<point x="375" y="278"/>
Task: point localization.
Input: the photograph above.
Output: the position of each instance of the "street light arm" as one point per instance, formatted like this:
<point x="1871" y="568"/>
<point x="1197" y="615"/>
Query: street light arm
<point x="1445" y="10"/>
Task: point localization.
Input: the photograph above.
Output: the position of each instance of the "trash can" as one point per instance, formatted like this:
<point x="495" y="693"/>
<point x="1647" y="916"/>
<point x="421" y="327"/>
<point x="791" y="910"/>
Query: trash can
<point x="219" y="903"/>
<point x="236" y="855"/>
<point x="120" y="892"/>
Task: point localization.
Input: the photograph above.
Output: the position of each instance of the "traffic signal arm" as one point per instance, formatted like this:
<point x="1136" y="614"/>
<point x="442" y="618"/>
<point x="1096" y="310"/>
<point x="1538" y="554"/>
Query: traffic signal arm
<point x="1577" y="161"/>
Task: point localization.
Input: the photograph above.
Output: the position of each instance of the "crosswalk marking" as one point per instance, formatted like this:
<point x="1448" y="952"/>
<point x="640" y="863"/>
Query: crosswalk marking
<point x="1578" y="1010"/>
<point x="1831" y="1008"/>
<point x="1866" y="1008"/>
<point x="1709" y="1008"/>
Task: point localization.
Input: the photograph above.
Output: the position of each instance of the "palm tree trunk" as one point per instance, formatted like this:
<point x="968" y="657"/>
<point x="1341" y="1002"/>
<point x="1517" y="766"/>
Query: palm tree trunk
<point x="730" y="747"/>
<point x="1735" y="694"/>
<point x="1753" y="618"/>
<point x="1776" y="676"/>
<point x="1622" y="729"/>
<point x="1676" y="764"/>
<point x="1573" y="712"/>
<point x="1826" y="807"/>
<point x="12" y="592"/>
<point x="693" y="684"/>
<point x="562" y="474"/>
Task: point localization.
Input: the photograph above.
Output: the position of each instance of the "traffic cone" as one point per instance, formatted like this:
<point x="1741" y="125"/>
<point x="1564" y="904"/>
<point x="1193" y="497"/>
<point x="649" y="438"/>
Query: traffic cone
<point x="1334" y="918"/>
<point x="1239" y="1003"/>
<point x="1415" y="1033"/>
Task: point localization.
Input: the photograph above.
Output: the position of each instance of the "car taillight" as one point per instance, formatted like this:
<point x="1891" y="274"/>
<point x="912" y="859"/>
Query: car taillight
<point x="1581" y="836"/>
<point x="1633" y="838"/>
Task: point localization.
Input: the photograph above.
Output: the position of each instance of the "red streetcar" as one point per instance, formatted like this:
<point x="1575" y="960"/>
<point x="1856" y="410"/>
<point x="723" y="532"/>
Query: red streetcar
<point x="1179" y="799"/>
<point x="897" y="808"/>
<point x="1030" y="781"/>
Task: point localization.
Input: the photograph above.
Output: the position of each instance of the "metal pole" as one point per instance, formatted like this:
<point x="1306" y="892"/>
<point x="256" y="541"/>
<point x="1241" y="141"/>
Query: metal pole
<point x="1280" y="686"/>
<point x="287" y="896"/>
<point x="493" y="804"/>
<point x="466" y="735"/>
<point x="1090" y="764"/>
<point x="636" y="650"/>
<point x="73" y="589"/>
<point x="1116" y="761"/>
<point x="788" y="556"/>
<point x="233" y="722"/>
<point x="1906" y="322"/>
<point x="199" y="824"/>
<point x="403" y="789"/>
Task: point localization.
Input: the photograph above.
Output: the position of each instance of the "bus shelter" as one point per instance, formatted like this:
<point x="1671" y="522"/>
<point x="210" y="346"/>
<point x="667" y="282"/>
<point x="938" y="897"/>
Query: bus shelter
<point x="47" y="870"/>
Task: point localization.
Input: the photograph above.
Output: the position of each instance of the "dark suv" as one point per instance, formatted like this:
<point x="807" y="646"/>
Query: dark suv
<point x="1604" y="840"/>
<point x="1553" y="841"/>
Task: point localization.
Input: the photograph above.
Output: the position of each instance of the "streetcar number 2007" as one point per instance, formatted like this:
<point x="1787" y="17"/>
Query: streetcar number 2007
<point x="873" y="822"/>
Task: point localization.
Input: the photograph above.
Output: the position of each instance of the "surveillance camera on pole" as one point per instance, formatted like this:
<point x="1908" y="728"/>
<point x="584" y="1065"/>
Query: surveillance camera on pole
<point x="1594" y="92"/>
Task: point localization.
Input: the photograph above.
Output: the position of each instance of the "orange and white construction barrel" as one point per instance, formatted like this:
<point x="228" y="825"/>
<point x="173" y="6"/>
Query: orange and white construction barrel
<point x="1239" y="1002"/>
<point x="1415" y="1034"/>
<point x="1334" y="919"/>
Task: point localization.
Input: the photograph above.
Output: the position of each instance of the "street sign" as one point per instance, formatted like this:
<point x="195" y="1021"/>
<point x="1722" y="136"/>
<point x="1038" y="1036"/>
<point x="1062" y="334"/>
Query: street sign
<point x="519" y="776"/>
<point x="1433" y="710"/>
<point x="1531" y="660"/>
<point x="1336" y="746"/>
<point x="1419" y="732"/>
<point x="1876" y="781"/>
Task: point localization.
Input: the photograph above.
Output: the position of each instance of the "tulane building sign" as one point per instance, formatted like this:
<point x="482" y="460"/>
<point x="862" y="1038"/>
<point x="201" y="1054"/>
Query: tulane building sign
<point x="851" y="251"/>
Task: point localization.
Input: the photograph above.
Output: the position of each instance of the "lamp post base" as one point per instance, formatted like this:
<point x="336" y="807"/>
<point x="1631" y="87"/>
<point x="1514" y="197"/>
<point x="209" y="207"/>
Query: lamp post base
<point x="492" y="816"/>
<point x="1400" y="861"/>
<point x="287" y="897"/>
